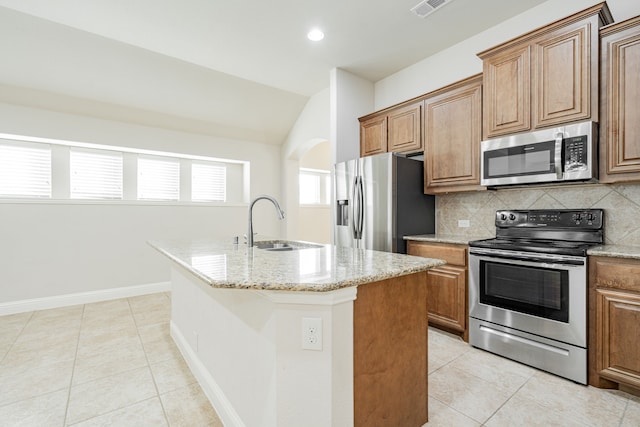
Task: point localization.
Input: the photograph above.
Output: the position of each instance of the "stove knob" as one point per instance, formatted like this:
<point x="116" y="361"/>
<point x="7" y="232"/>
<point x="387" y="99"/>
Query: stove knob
<point x="503" y="217"/>
<point x="512" y="217"/>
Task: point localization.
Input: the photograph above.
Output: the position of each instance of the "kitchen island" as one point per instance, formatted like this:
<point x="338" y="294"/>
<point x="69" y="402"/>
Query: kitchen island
<point x="314" y="336"/>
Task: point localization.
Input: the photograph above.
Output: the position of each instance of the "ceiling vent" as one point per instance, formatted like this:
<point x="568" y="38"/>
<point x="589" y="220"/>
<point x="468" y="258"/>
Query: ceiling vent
<point x="427" y="7"/>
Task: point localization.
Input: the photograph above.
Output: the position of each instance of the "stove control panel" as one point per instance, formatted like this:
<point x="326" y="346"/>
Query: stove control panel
<point x="561" y="218"/>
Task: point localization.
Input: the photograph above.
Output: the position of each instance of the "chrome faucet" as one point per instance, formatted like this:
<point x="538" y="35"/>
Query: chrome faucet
<point x="250" y="227"/>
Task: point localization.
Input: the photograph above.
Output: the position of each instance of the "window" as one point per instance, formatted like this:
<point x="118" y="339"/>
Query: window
<point x="44" y="168"/>
<point x="158" y="178"/>
<point x="315" y="186"/>
<point x="95" y="174"/>
<point x="208" y="182"/>
<point x="25" y="170"/>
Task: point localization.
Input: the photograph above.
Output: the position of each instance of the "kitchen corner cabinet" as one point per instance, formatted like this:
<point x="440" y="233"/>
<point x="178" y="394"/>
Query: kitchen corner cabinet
<point x="396" y="129"/>
<point x="545" y="77"/>
<point x="452" y="134"/>
<point x="446" y="285"/>
<point x="614" y="316"/>
<point x="620" y="102"/>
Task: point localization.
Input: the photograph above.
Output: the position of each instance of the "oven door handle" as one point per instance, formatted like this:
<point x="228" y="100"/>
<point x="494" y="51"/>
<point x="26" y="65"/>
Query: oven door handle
<point x="545" y="261"/>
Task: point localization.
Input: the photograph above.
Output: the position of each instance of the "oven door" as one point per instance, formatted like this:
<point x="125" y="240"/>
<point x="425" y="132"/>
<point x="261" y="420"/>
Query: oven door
<point x="540" y="294"/>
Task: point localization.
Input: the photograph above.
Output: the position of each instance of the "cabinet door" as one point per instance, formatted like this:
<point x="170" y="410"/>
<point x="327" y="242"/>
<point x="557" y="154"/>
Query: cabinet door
<point x="453" y="130"/>
<point x="618" y="335"/>
<point x="373" y="136"/>
<point x="404" y="128"/>
<point x="447" y="297"/>
<point x="562" y="76"/>
<point x="507" y="92"/>
<point x="620" y="127"/>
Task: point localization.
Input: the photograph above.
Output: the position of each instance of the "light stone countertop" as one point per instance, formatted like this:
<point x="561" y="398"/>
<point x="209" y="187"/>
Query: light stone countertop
<point x="618" y="251"/>
<point x="458" y="239"/>
<point x="318" y="269"/>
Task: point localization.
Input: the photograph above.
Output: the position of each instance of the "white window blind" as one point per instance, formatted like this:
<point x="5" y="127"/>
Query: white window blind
<point x="158" y="178"/>
<point x="25" y="170"/>
<point x="208" y="182"/>
<point x="95" y="174"/>
<point x="314" y="186"/>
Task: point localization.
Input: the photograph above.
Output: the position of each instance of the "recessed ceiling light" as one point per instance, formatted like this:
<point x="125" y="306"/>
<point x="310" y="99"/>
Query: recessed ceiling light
<point x="315" y="35"/>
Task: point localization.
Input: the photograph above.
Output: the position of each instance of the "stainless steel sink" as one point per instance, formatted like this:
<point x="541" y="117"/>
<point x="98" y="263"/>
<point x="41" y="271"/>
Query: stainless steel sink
<point x="282" y="245"/>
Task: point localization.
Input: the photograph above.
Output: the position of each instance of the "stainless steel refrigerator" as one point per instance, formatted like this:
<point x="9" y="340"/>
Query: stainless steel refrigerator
<point x="378" y="200"/>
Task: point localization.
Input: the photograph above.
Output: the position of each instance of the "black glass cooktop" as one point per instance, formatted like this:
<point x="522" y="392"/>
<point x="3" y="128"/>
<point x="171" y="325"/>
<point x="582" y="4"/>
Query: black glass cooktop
<point x="557" y="247"/>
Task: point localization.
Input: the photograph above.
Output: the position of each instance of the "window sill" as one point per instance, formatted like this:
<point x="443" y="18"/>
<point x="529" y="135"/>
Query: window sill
<point x="19" y="201"/>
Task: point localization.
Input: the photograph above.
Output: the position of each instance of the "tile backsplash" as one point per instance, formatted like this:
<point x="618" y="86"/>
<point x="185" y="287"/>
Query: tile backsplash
<point x="621" y="204"/>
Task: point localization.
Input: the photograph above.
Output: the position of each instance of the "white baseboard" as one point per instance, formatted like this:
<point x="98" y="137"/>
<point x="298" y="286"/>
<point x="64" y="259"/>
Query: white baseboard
<point x="214" y="393"/>
<point x="45" y="303"/>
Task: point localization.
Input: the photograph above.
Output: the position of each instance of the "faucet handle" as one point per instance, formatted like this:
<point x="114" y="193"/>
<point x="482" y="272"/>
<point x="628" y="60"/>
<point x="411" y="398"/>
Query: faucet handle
<point x="245" y="236"/>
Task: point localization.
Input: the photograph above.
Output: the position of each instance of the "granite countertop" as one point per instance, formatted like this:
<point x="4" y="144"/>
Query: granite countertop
<point x="319" y="268"/>
<point x="458" y="239"/>
<point x="619" y="251"/>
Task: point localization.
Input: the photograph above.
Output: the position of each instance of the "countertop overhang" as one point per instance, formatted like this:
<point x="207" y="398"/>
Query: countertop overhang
<point x="318" y="269"/>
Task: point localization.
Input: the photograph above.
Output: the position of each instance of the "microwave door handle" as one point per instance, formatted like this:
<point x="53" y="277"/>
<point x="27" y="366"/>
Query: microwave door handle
<point x="558" y="155"/>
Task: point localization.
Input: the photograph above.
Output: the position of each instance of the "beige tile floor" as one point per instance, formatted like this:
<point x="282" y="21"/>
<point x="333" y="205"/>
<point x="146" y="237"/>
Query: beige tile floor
<point x="114" y="364"/>
<point x="470" y="387"/>
<point x="111" y="363"/>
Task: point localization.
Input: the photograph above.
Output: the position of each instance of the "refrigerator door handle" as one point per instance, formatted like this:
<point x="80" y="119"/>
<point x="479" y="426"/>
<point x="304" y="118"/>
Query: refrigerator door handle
<point x="354" y="198"/>
<point x="358" y="208"/>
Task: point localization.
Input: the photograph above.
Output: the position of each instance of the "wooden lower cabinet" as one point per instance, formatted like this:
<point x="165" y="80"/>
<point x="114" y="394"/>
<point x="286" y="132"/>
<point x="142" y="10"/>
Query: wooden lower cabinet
<point x="447" y="296"/>
<point x="390" y="353"/>
<point x="614" y="336"/>
<point x="447" y="287"/>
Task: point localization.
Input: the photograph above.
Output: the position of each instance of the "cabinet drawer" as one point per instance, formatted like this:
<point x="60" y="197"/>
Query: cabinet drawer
<point x="616" y="273"/>
<point x="452" y="254"/>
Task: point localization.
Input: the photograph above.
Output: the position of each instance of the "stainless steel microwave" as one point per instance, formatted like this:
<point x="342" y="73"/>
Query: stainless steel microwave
<point x="564" y="153"/>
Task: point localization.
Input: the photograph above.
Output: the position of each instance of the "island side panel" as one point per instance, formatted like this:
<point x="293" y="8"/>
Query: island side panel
<point x="390" y="352"/>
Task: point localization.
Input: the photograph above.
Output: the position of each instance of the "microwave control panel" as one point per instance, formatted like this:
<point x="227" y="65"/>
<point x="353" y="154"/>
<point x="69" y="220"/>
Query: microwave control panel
<point x="575" y="153"/>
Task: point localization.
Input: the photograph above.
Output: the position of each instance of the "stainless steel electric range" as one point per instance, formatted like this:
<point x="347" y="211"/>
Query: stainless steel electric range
<point x="528" y="288"/>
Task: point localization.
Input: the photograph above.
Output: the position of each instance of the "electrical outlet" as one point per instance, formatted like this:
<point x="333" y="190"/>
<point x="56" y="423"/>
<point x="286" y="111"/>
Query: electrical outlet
<point x="312" y="333"/>
<point x="463" y="223"/>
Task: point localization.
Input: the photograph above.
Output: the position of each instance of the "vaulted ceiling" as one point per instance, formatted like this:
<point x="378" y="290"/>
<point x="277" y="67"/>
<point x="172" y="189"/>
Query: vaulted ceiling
<point x="240" y="69"/>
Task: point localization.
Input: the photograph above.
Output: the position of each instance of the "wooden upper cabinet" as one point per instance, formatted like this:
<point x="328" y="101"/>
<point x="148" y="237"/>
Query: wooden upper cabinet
<point x="404" y="127"/>
<point x="507" y="88"/>
<point x="373" y="136"/>
<point x="546" y="77"/>
<point x="562" y="76"/>
<point x="395" y="129"/>
<point x="620" y="106"/>
<point x="452" y="134"/>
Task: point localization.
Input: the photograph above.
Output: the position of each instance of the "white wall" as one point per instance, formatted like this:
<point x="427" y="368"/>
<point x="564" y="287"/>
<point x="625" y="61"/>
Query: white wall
<point x="460" y="61"/>
<point x="57" y="248"/>
<point x="351" y="97"/>
<point x="311" y="128"/>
